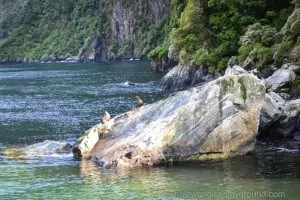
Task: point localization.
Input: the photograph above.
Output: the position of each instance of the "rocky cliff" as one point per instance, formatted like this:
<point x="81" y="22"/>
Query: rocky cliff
<point x="129" y="24"/>
<point x="95" y="30"/>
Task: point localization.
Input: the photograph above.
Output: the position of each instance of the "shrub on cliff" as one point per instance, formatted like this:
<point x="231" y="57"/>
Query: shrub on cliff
<point x="209" y="31"/>
<point x="295" y="89"/>
<point x="158" y="53"/>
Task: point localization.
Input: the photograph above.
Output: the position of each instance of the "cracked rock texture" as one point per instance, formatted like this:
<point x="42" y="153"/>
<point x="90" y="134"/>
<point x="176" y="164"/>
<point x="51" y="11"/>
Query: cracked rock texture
<point x="217" y="120"/>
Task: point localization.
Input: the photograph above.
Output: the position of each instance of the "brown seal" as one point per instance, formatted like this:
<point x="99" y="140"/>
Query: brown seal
<point x="105" y="118"/>
<point x="140" y="102"/>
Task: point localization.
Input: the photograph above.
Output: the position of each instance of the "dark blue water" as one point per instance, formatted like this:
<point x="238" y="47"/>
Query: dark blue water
<point x="60" y="101"/>
<point x="44" y="106"/>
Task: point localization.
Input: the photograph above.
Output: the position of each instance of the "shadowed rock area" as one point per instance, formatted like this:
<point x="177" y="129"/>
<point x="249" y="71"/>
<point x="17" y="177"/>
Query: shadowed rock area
<point x="183" y="77"/>
<point x="217" y="120"/>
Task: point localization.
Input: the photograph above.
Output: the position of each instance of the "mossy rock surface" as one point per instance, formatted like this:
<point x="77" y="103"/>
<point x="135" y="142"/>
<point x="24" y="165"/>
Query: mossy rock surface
<point x="216" y="120"/>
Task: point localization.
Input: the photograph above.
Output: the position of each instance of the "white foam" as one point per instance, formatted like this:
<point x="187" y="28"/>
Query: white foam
<point x="281" y="149"/>
<point x="47" y="148"/>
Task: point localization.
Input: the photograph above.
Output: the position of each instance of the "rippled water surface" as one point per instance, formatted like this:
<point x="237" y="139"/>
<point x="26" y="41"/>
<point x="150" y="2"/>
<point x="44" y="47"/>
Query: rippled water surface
<point x="44" y="106"/>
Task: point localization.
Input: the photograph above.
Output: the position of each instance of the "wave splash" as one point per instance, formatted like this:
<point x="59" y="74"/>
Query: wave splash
<point x="47" y="148"/>
<point x="281" y="149"/>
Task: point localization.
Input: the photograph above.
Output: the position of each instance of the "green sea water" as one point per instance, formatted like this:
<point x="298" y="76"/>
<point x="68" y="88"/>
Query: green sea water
<point x="44" y="106"/>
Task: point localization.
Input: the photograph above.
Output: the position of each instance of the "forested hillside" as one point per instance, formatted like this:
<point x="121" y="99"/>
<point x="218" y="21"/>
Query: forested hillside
<point x="205" y="33"/>
<point x="210" y="32"/>
<point x="92" y="30"/>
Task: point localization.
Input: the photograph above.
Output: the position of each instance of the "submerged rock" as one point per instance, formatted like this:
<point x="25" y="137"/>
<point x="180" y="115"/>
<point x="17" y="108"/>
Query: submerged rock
<point x="14" y="153"/>
<point x="213" y="121"/>
<point x="65" y="148"/>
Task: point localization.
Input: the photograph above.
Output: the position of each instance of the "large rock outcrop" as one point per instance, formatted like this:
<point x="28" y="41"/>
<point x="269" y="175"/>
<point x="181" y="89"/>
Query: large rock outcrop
<point x="279" y="118"/>
<point x="280" y="78"/>
<point x="162" y="65"/>
<point x="183" y="77"/>
<point x="281" y="112"/>
<point x="216" y="120"/>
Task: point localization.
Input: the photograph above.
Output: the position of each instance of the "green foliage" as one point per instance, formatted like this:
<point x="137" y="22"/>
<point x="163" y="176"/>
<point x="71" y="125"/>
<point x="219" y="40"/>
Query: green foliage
<point x="61" y="28"/>
<point x="210" y="30"/>
<point x="55" y="29"/>
<point x="127" y="46"/>
<point x="257" y="43"/>
<point x="214" y="37"/>
<point x="159" y="53"/>
<point x="295" y="89"/>
<point x="263" y="55"/>
<point x="296" y="2"/>
<point x="283" y="50"/>
<point x="295" y="53"/>
<point x="266" y="45"/>
<point x="228" y="20"/>
<point x="202" y="58"/>
<point x="191" y="34"/>
<point x="258" y="33"/>
<point x="161" y="33"/>
<point x="200" y="32"/>
<point x="279" y="18"/>
<point x="244" y="52"/>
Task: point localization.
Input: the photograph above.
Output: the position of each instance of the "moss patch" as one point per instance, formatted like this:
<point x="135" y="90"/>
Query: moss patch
<point x="14" y="153"/>
<point x="209" y="157"/>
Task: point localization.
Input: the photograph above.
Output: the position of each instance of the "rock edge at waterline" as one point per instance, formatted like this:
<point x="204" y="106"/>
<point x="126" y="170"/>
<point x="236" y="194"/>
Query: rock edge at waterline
<point x="217" y="120"/>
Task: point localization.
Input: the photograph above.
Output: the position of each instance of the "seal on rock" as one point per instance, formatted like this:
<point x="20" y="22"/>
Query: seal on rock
<point x="140" y="102"/>
<point x="105" y="118"/>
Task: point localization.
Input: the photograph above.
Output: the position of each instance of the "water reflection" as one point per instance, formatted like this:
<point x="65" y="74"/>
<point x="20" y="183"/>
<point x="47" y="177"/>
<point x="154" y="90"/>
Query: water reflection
<point x="234" y="176"/>
<point x="43" y="176"/>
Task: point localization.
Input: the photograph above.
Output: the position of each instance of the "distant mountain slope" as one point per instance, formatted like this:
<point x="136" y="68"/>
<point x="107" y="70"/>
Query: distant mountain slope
<point x="194" y="33"/>
<point x="92" y="30"/>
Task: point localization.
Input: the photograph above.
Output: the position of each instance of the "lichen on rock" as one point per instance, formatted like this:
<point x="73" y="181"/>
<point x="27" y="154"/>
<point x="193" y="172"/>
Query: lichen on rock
<point x="213" y="119"/>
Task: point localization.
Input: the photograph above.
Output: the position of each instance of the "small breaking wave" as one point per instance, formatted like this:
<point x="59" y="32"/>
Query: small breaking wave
<point x="128" y="83"/>
<point x="46" y="149"/>
<point x="281" y="149"/>
<point x="129" y="87"/>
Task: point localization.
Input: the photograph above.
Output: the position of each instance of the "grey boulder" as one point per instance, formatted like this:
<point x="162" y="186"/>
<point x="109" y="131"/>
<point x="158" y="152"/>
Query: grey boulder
<point x="279" y="79"/>
<point x="214" y="121"/>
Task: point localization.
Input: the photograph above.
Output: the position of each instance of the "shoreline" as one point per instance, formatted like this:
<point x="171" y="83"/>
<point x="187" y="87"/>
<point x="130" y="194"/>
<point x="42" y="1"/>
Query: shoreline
<point x="68" y="61"/>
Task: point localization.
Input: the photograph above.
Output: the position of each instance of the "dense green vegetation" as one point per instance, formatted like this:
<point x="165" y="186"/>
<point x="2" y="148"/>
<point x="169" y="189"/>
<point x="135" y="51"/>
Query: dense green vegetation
<point x="210" y="32"/>
<point x="172" y="21"/>
<point x="295" y="87"/>
<point x="193" y="32"/>
<point x="50" y="28"/>
<point x="35" y="29"/>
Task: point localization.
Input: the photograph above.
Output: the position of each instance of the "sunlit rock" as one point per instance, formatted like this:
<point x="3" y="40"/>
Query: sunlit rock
<point x="213" y="121"/>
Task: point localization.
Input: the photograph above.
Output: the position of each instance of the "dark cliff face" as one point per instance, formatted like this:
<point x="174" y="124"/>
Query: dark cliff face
<point x="96" y="30"/>
<point x="129" y="25"/>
